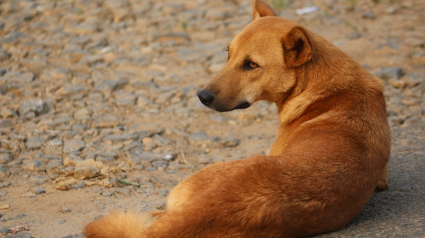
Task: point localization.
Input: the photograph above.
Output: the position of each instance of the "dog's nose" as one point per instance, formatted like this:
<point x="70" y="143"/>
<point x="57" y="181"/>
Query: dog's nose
<point x="206" y="97"/>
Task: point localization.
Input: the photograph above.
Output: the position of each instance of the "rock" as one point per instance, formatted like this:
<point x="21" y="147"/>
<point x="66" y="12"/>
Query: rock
<point x="33" y="165"/>
<point x="5" y="123"/>
<point x="180" y="37"/>
<point x="13" y="37"/>
<point x="79" y="185"/>
<point x="5" y="184"/>
<point x="54" y="167"/>
<point x="160" y="164"/>
<point x="37" y="106"/>
<point x="216" y="14"/>
<point x="390" y="73"/>
<point x="34" y="143"/>
<point x="70" y="159"/>
<point x="3" y="194"/>
<point x="369" y="15"/>
<point x="39" y="191"/>
<point x="199" y="136"/>
<point x="124" y="191"/>
<point x="86" y="172"/>
<point x="72" y="146"/>
<point x="163" y="192"/>
<point x="107" y="194"/>
<point x="4" y="171"/>
<point x="110" y="85"/>
<point x="5" y="158"/>
<point x="64" y="209"/>
<point x="4" y="206"/>
<point x="230" y="141"/>
<point x="120" y="137"/>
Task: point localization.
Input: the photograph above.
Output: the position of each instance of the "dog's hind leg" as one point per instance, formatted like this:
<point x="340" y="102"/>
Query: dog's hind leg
<point x="383" y="180"/>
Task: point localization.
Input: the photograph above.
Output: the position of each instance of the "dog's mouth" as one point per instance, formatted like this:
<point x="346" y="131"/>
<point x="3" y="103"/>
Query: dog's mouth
<point x="242" y="105"/>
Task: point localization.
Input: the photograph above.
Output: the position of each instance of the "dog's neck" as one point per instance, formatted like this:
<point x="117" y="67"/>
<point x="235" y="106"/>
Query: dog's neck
<point x="313" y="82"/>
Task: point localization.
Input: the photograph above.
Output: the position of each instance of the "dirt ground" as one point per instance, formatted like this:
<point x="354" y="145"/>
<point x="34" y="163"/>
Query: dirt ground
<point x="136" y="66"/>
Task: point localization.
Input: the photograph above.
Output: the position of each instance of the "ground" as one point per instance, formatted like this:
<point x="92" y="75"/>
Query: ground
<point x="98" y="105"/>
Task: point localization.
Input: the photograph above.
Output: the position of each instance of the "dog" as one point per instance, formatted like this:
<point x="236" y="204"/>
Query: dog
<point x="330" y="153"/>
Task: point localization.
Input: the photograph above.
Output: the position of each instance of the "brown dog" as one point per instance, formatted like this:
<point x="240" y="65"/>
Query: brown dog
<point x="330" y="153"/>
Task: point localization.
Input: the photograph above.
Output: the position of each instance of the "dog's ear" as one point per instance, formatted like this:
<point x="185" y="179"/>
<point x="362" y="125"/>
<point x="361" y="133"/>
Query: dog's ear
<point x="297" y="47"/>
<point x="261" y="9"/>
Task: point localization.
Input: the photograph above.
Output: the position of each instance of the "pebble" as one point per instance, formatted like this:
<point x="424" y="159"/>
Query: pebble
<point x="33" y="165"/>
<point x="39" y="191"/>
<point x="4" y="206"/>
<point x="390" y="73"/>
<point x="71" y="146"/>
<point x="369" y="15"/>
<point x="34" y="143"/>
<point x="3" y="194"/>
<point x="199" y="136"/>
<point x="86" y="172"/>
<point x="37" y="106"/>
<point x="5" y="158"/>
<point x="4" y="171"/>
<point x="79" y="185"/>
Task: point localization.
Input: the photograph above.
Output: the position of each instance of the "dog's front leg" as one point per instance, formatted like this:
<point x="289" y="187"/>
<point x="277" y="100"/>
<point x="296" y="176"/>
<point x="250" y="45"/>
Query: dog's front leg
<point x="383" y="180"/>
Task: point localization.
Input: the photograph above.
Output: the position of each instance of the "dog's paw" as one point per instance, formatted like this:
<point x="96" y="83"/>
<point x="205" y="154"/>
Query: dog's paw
<point x="382" y="185"/>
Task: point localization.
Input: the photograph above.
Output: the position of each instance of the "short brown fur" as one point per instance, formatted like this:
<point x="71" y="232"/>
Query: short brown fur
<point x="331" y="150"/>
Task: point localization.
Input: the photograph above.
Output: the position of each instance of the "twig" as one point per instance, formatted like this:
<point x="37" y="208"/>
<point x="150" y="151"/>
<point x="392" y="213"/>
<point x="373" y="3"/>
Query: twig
<point x="187" y="163"/>
<point x="15" y="229"/>
<point x="129" y="183"/>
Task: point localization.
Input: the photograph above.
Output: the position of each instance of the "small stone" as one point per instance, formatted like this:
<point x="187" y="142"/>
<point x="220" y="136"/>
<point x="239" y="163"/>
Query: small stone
<point x="71" y="146"/>
<point x="199" y="136"/>
<point x="37" y="106"/>
<point x="5" y="158"/>
<point x="160" y="164"/>
<point x="4" y="206"/>
<point x="86" y="172"/>
<point x="54" y="167"/>
<point x="79" y="185"/>
<point x="230" y="141"/>
<point x="5" y="123"/>
<point x="120" y="137"/>
<point x="159" y="140"/>
<point x="34" y="143"/>
<point x="163" y="192"/>
<point x="13" y="37"/>
<point x="110" y="85"/>
<point x="369" y="15"/>
<point x="106" y="194"/>
<point x="3" y="194"/>
<point x="5" y="184"/>
<point x="64" y="210"/>
<point x="4" y="171"/>
<point x="123" y="191"/>
<point x="390" y="73"/>
<point x="354" y="35"/>
<point x="39" y="191"/>
<point x="33" y="165"/>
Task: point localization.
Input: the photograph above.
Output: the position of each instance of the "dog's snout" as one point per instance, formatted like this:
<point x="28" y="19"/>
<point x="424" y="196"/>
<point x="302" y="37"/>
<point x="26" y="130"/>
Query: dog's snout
<point x="206" y="97"/>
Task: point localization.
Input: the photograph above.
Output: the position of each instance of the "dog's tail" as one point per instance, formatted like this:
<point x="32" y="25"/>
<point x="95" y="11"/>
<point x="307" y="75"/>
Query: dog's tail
<point x="118" y="224"/>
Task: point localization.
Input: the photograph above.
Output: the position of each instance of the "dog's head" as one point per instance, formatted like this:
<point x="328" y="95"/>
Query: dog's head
<point x="261" y="63"/>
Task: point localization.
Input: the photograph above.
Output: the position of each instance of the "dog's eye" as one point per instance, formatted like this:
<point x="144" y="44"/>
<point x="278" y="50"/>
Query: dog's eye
<point x="249" y="65"/>
<point x="253" y="65"/>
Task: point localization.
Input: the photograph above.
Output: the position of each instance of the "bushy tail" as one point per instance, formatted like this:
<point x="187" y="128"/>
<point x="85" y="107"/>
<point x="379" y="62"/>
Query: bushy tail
<point x="118" y="224"/>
